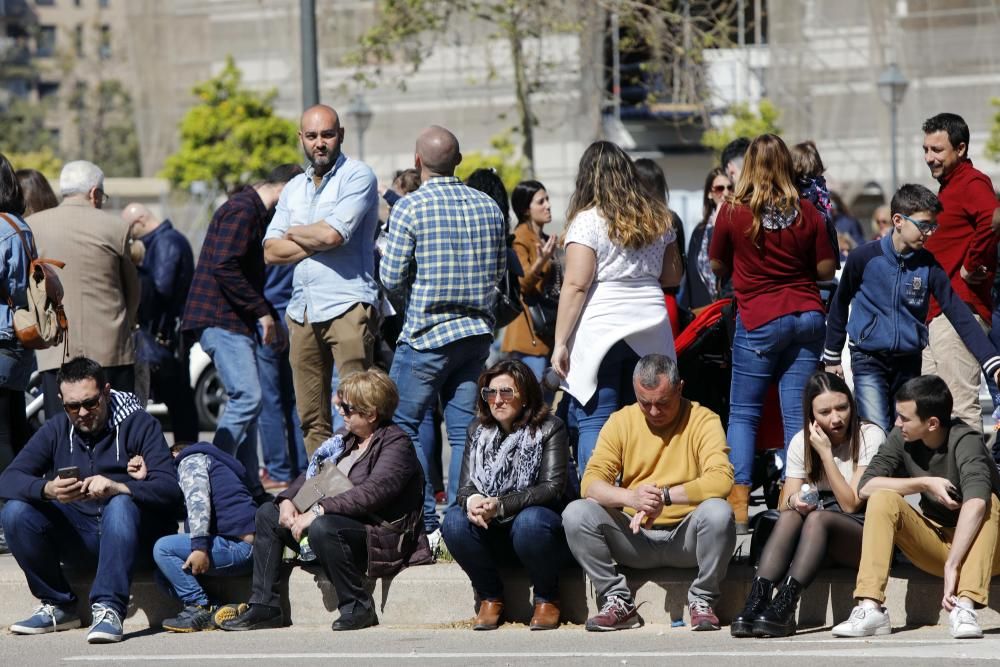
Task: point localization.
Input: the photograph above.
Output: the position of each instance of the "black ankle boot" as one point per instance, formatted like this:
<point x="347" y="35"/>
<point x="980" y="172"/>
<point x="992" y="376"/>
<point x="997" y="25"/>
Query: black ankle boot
<point x="778" y="620"/>
<point x="757" y="601"/>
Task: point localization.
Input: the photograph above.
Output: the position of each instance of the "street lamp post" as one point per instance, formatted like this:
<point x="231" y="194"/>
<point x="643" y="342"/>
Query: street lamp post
<point x="360" y="115"/>
<point x="891" y="88"/>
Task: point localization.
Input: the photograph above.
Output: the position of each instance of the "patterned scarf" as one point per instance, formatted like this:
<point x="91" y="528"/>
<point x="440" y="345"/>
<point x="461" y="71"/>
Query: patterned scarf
<point x="330" y="449"/>
<point x="502" y="465"/>
<point x="704" y="264"/>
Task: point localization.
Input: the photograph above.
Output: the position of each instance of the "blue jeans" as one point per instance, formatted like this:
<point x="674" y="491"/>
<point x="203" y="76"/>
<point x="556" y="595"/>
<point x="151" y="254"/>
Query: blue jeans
<point x="877" y="378"/>
<point x="534" y="539"/>
<point x="614" y="391"/>
<point x="278" y="423"/>
<point x="40" y="534"/>
<point x="537" y="364"/>
<point x="228" y="558"/>
<point x="235" y="359"/>
<point x="786" y="349"/>
<point x="451" y="372"/>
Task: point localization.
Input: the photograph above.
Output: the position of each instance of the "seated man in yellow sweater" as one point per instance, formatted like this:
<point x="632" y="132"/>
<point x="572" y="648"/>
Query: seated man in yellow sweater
<point x="669" y="509"/>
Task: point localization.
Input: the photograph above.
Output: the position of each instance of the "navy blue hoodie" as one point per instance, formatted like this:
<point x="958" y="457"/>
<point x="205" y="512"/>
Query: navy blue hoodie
<point x="218" y="501"/>
<point x="130" y="430"/>
<point x="889" y="295"/>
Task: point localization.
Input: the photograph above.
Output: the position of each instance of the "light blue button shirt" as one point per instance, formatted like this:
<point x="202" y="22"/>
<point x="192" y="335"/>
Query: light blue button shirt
<point x="329" y="283"/>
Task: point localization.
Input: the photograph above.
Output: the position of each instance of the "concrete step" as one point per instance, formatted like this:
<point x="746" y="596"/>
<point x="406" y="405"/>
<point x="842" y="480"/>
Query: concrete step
<point x="441" y="595"/>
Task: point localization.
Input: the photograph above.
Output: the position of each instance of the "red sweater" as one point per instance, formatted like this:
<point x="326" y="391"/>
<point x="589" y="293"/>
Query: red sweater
<point x="778" y="278"/>
<point x="965" y="236"/>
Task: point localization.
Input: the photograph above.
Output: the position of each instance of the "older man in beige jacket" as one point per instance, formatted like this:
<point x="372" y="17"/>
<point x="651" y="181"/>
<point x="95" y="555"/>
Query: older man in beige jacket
<point x="100" y="281"/>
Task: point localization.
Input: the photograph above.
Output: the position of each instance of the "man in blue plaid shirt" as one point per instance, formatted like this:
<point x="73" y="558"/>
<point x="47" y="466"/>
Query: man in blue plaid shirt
<point x="445" y="253"/>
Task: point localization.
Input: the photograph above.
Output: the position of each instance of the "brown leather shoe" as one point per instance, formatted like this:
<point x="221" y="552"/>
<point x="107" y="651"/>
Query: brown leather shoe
<point x="546" y="616"/>
<point x="489" y="614"/>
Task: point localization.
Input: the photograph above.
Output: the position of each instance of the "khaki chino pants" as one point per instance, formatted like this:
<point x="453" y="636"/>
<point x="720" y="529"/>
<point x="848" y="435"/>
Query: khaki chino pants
<point x="890" y="520"/>
<point x="347" y="341"/>
<point x="947" y="357"/>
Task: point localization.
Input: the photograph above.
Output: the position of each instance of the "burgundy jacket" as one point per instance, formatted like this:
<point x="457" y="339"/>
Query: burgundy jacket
<point x="388" y="487"/>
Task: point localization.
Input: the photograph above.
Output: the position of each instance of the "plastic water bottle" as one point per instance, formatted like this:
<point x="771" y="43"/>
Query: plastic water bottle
<point x="306" y="554"/>
<point x="809" y="495"/>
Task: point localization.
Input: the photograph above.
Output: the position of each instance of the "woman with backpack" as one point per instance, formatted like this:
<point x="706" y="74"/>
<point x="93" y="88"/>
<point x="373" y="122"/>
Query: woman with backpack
<point x="16" y="363"/>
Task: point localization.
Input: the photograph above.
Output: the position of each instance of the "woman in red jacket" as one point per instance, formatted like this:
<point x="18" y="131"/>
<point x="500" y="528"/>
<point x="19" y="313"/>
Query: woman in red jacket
<point x="776" y="248"/>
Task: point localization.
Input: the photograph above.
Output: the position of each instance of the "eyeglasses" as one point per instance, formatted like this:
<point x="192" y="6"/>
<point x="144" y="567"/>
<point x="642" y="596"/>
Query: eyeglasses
<point x="505" y="393"/>
<point x="924" y="227"/>
<point x="89" y="404"/>
<point x="101" y="196"/>
<point x="719" y="189"/>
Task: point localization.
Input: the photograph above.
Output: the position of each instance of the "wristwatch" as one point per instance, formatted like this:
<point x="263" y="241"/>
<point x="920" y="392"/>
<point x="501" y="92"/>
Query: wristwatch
<point x="666" y="495"/>
<point x="317" y="509"/>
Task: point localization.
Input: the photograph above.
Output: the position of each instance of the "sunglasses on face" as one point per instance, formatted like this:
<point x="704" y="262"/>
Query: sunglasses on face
<point x="89" y="404"/>
<point x="719" y="189"/>
<point x="924" y="227"/>
<point x="505" y="393"/>
<point x="347" y="408"/>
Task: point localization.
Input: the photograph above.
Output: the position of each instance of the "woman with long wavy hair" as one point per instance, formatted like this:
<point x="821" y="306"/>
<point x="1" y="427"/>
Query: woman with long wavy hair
<point x="776" y="248"/>
<point x="611" y="308"/>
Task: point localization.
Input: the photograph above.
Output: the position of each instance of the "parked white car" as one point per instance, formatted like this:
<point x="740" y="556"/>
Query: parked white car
<point x="209" y="394"/>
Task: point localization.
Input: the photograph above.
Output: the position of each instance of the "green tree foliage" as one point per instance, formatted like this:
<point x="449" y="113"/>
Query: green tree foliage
<point x="993" y="143"/>
<point x="24" y="128"/>
<point x="508" y="166"/>
<point x="232" y="136"/>
<point x="408" y="30"/>
<point x="106" y="127"/>
<point x="746" y="123"/>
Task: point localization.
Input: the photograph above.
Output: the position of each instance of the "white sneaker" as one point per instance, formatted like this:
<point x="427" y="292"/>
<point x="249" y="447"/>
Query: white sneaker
<point x="864" y="622"/>
<point x="434" y="540"/>
<point x="964" y="624"/>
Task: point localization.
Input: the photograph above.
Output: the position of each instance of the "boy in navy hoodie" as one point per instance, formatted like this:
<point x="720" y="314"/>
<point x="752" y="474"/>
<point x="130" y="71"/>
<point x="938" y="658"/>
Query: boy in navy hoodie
<point x="220" y="523"/>
<point x="69" y="492"/>
<point x="888" y="284"/>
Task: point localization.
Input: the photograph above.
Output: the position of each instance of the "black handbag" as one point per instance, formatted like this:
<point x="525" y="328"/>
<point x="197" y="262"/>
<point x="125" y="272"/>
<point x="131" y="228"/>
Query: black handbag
<point x="541" y="310"/>
<point x="508" y="293"/>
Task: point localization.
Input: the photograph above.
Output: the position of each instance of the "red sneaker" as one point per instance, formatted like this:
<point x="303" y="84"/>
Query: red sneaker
<point x="616" y="614"/>
<point x="702" y="616"/>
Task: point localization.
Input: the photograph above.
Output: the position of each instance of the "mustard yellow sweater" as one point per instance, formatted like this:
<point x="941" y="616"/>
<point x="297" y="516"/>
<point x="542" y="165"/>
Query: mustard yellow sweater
<point x="692" y="452"/>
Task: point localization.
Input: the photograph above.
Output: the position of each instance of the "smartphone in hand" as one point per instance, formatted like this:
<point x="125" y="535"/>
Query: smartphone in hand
<point x="69" y="472"/>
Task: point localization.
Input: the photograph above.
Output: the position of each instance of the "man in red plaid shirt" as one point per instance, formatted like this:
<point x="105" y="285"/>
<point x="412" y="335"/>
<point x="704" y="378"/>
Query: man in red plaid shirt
<point x="227" y="312"/>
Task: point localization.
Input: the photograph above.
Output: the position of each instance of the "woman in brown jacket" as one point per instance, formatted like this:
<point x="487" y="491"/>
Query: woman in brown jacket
<point x="373" y="528"/>
<point x="534" y="249"/>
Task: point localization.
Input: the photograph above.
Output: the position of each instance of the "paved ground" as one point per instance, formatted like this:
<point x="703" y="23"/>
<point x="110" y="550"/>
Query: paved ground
<point x="508" y="646"/>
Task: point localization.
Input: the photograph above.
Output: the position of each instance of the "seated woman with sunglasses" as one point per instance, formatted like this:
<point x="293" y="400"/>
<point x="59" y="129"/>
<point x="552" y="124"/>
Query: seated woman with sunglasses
<point x="510" y="495"/>
<point x="374" y="528"/>
<point x="830" y="453"/>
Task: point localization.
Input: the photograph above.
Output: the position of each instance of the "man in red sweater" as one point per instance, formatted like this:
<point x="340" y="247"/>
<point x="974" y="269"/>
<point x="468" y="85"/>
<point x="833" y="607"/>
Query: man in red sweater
<point x="966" y="247"/>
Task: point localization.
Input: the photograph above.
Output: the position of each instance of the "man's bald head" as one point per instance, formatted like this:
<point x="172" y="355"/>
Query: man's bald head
<point x="437" y="152"/>
<point x="321" y="113"/>
<point x="140" y="219"/>
<point x="321" y="136"/>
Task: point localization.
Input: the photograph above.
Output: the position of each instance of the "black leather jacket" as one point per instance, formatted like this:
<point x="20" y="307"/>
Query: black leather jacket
<point x="551" y="481"/>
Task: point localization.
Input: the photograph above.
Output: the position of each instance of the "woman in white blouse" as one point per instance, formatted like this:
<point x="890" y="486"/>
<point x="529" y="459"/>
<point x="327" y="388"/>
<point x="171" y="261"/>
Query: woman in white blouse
<point x="830" y="454"/>
<point x="620" y="252"/>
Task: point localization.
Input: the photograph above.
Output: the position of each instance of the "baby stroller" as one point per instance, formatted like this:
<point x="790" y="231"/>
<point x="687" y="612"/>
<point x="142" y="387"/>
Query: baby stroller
<point x="704" y="357"/>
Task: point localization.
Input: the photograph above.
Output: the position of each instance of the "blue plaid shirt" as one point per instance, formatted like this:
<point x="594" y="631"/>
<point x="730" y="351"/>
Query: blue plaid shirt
<point x="445" y="254"/>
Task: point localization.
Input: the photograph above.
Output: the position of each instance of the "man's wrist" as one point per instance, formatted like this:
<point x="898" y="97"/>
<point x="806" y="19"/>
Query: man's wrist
<point x="665" y="493"/>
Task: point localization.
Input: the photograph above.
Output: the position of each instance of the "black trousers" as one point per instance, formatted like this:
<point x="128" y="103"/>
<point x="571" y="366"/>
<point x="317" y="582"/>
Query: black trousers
<point x="170" y="383"/>
<point x="122" y="378"/>
<point x="341" y="547"/>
